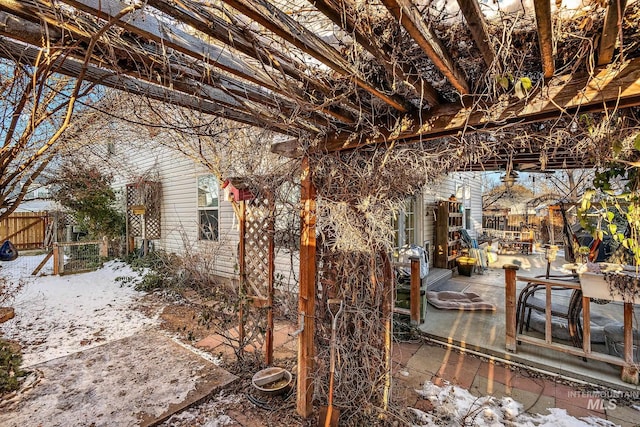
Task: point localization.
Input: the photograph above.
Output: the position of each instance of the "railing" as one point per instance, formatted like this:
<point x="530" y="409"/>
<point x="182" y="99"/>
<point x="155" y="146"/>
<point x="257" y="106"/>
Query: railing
<point x="414" y="311"/>
<point x="513" y="338"/>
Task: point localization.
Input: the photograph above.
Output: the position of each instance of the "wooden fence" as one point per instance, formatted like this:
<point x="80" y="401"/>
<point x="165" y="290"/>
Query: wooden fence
<point x="26" y="230"/>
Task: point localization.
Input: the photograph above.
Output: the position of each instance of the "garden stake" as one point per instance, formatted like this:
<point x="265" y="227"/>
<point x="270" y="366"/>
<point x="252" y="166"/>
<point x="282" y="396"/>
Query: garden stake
<point x="329" y="415"/>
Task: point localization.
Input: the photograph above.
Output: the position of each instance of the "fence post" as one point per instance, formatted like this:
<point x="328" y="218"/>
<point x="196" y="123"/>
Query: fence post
<point x="104" y="247"/>
<point x="510" y="306"/>
<point x="56" y="259"/>
<point x="630" y="370"/>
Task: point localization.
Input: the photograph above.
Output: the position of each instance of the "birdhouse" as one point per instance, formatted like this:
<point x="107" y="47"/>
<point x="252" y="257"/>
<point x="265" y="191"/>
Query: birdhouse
<point x="236" y="189"/>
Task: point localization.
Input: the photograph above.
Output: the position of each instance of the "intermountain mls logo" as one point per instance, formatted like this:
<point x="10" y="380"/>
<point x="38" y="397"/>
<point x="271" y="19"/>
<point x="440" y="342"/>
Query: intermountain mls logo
<point x="604" y="399"/>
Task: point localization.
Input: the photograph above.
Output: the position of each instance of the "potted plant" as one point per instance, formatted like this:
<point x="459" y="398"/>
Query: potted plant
<point x="615" y="203"/>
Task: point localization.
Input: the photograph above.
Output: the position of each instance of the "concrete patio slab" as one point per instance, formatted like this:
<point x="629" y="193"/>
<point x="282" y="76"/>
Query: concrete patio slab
<point x="136" y="381"/>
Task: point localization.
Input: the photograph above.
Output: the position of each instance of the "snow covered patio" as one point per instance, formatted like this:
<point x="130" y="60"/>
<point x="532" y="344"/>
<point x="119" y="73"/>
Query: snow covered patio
<point x="139" y="380"/>
<point x="95" y="358"/>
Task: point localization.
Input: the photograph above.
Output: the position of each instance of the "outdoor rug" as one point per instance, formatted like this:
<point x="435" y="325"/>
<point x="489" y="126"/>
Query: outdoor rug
<point x="467" y="301"/>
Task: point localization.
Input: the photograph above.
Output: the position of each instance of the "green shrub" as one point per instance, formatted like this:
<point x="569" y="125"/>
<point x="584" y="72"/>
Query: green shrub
<point x="157" y="270"/>
<point x="86" y="191"/>
<point x="10" y="372"/>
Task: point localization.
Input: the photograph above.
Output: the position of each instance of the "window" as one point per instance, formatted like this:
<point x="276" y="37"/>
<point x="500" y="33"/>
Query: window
<point x="463" y="194"/>
<point x="404" y="224"/>
<point x="208" y="213"/>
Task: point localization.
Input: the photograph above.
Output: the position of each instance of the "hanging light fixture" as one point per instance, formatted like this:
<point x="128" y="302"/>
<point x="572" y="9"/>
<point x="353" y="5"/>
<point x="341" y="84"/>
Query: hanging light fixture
<point x="509" y="178"/>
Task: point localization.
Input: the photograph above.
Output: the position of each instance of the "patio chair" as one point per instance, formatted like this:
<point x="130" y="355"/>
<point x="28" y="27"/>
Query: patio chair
<point x="527" y="302"/>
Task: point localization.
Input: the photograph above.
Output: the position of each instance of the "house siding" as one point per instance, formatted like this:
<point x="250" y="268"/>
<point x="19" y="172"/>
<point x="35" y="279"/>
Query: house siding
<point x="178" y="175"/>
<point x="455" y="184"/>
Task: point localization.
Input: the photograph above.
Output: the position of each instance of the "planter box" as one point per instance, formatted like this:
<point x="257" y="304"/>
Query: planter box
<point x="465" y="266"/>
<point x="594" y="286"/>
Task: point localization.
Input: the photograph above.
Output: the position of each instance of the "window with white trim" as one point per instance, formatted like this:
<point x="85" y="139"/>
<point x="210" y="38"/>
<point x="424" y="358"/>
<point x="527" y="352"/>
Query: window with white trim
<point x="208" y="208"/>
<point x="405" y="223"/>
<point x="463" y="194"/>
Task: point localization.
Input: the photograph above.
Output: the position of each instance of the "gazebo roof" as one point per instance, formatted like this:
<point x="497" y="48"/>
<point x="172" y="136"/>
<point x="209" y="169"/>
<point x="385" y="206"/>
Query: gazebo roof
<point x="334" y="75"/>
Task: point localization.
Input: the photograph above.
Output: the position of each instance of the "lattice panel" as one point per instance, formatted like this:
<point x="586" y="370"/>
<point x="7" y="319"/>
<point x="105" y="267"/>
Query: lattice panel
<point x="145" y="194"/>
<point x="257" y="237"/>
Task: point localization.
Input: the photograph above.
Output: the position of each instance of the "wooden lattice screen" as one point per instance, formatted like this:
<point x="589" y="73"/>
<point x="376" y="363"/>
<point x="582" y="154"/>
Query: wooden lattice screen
<point x="257" y="239"/>
<point x="147" y="194"/>
<point x="258" y="265"/>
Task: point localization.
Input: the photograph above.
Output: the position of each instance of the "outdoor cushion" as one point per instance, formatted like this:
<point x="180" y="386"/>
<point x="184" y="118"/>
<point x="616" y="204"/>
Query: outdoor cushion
<point x="468" y="301"/>
<point x="614" y="340"/>
<point x="560" y="330"/>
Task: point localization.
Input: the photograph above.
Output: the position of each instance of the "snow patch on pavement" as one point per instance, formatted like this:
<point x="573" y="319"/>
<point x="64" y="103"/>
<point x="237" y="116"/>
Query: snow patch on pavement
<point x="456" y="406"/>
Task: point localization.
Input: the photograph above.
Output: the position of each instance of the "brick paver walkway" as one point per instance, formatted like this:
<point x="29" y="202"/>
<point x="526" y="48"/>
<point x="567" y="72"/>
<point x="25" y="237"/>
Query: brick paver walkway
<point x="416" y="362"/>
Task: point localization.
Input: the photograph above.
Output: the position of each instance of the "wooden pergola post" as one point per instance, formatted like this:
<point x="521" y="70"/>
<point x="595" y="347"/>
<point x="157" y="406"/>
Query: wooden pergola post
<point x="630" y="370"/>
<point x="414" y="295"/>
<point x="307" y="298"/>
<point x="510" y="305"/>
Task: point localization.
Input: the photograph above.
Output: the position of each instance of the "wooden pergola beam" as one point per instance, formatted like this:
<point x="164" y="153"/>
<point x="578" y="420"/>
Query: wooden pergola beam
<point x="281" y="24"/>
<point x="45" y="12"/>
<point x="150" y="27"/>
<point x="545" y="36"/>
<point x="144" y="62"/>
<point x="202" y="20"/>
<point x="564" y="95"/>
<point x="421" y="88"/>
<point x="226" y="93"/>
<point x="409" y="17"/>
<point x="478" y="27"/>
<point x="610" y="30"/>
<point x="70" y="66"/>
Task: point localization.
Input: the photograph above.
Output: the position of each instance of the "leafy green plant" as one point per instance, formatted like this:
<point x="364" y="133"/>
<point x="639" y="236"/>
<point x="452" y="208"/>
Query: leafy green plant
<point x="157" y="270"/>
<point x="10" y="372"/>
<point x="615" y="203"/>
<point x="86" y="190"/>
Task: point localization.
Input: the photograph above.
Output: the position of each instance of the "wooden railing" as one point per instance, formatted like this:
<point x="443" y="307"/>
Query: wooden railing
<point x="513" y="338"/>
<point x="414" y="311"/>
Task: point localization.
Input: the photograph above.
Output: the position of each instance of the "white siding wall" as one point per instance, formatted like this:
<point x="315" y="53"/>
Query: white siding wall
<point x="178" y="175"/>
<point x="442" y="190"/>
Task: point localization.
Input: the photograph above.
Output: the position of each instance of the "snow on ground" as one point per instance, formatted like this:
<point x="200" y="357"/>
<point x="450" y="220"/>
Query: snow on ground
<point x="208" y="414"/>
<point x="60" y="315"/>
<point x="57" y="316"/>
<point x="456" y="406"/>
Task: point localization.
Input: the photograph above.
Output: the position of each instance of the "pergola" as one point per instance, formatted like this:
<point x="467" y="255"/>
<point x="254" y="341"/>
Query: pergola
<point x="334" y="75"/>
